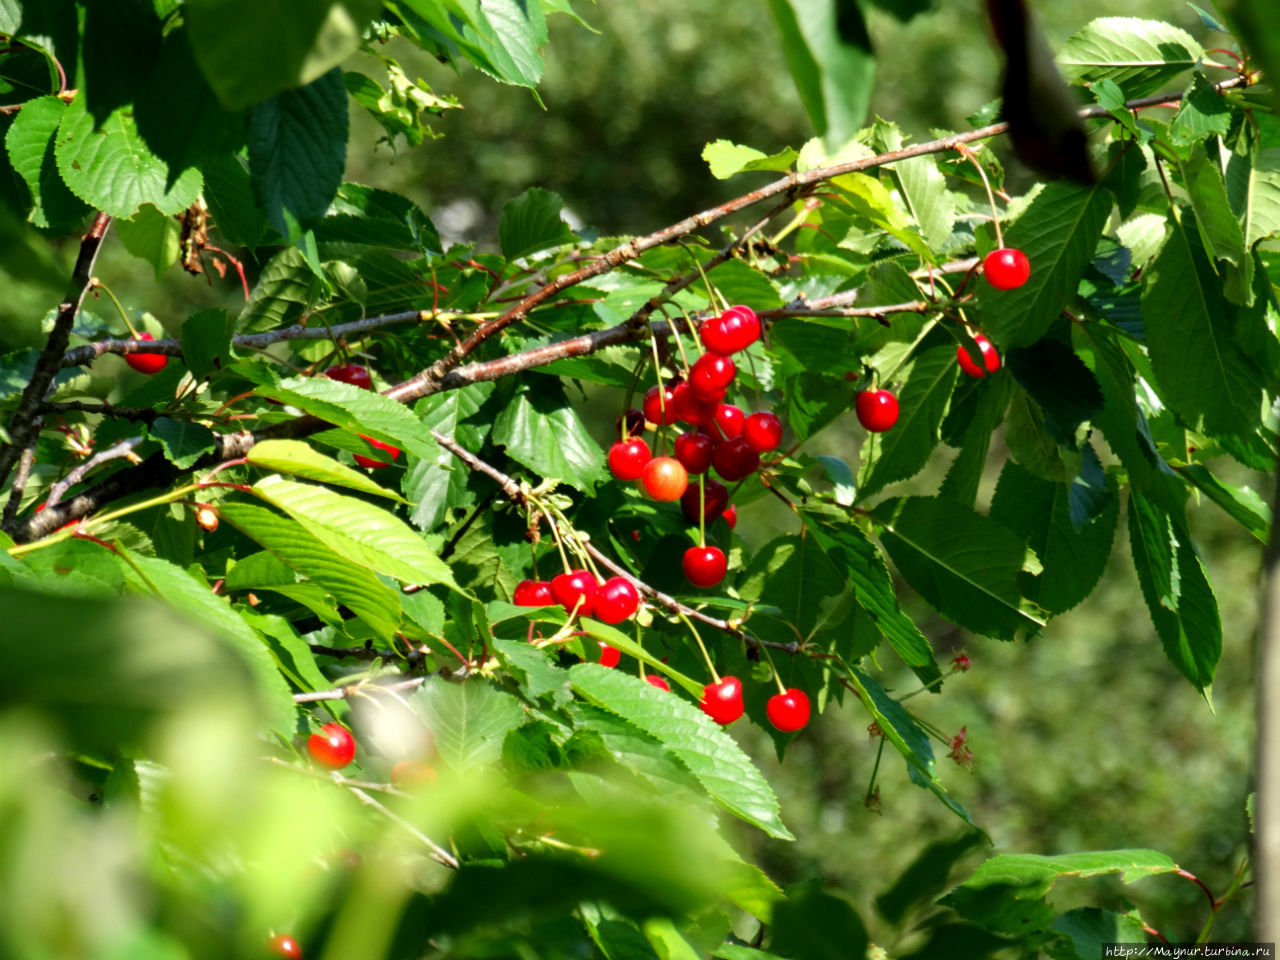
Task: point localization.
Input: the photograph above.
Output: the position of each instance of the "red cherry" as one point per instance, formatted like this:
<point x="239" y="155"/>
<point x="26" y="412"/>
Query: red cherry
<point x="630" y="423"/>
<point x="735" y="329"/>
<point x="369" y="461"/>
<point x="704" y="566"/>
<point x="615" y="601"/>
<point x="609" y="656"/>
<point x="353" y="373"/>
<point x="990" y="359"/>
<point x="722" y="701"/>
<point x="728" y="421"/>
<point x="1006" y="268"/>
<point x="283" y="945"/>
<point x="788" y="711"/>
<point x="735" y="459"/>
<point x="654" y="680"/>
<point x="717" y="497"/>
<point x="691" y="408"/>
<point x="146" y="362"/>
<point x="731" y="516"/>
<point x="877" y="410"/>
<point x="333" y="747"/>
<point x="763" y="431"/>
<point x="664" y="478"/>
<point x="408" y="774"/>
<point x="533" y="593"/>
<point x="711" y="375"/>
<point x="694" y="451"/>
<point x="628" y="457"/>
<point x="660" y="404"/>
<point x="568" y="587"/>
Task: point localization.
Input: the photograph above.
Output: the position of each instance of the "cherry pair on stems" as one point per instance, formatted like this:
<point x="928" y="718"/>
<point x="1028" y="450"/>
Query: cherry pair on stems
<point x="787" y="710"/>
<point x="613" y="601"/>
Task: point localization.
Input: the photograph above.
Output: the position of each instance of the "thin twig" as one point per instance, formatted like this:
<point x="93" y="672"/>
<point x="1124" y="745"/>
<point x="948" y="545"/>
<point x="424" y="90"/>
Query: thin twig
<point x="355" y="689"/>
<point x="20" y="479"/>
<point x="438" y="853"/>
<point x="144" y="414"/>
<point x="122" y="449"/>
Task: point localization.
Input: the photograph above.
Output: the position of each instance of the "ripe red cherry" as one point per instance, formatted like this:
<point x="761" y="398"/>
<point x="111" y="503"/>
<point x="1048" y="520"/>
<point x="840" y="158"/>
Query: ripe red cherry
<point x="763" y="431"/>
<point x="568" y="587"/>
<point x="660" y="404"/>
<point x="788" y="711"/>
<point x="704" y="566"/>
<point x="691" y="408"/>
<point x="735" y="459"/>
<point x="369" y="461"/>
<point x="353" y="373"/>
<point x="615" y="601"/>
<point x="664" y="478"/>
<point x="877" y="410"/>
<point x="628" y="457"/>
<point x="717" y="497"/>
<point x="722" y="701"/>
<point x="731" y="516"/>
<point x="283" y="945"/>
<point x="735" y="329"/>
<point x="729" y="420"/>
<point x="333" y="747"/>
<point x="609" y="656"/>
<point x="630" y="423"/>
<point x="711" y="375"/>
<point x="1006" y="268"/>
<point x="146" y="362"/>
<point x="694" y="451"/>
<point x="533" y="593"/>
<point x="990" y="359"/>
<point x="654" y="680"/>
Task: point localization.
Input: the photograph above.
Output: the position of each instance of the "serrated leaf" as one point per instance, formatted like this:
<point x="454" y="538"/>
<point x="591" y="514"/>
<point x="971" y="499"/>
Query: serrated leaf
<point x="619" y="640"/>
<point x="727" y="159"/>
<point x="151" y="236"/>
<point x="520" y="32"/>
<point x="841" y="478"/>
<point x="297" y="152"/>
<point x="539" y="676"/>
<point x="1220" y="231"/>
<point x="367" y="534"/>
<point x="469" y="721"/>
<point x="1253" y="183"/>
<point x="633" y="748"/>
<point x="206" y="342"/>
<point x="923" y="188"/>
<point x="1064" y="389"/>
<point x="540" y="430"/>
<point x="1242" y="504"/>
<point x="900" y="453"/>
<point x="349" y="583"/>
<point x="30" y="145"/>
<point x="1201" y="113"/>
<point x="112" y="169"/>
<point x="711" y="755"/>
<point x="531" y="223"/>
<point x="301" y="460"/>
<point x="869" y="200"/>
<point x="435" y="486"/>
<point x="963" y="564"/>
<point x="184" y="442"/>
<point x="1139" y="55"/>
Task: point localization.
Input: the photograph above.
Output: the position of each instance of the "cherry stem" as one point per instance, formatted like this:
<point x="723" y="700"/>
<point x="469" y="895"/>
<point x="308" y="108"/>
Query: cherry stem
<point x="774" y="670"/>
<point x="972" y="156"/>
<point x="662" y="391"/>
<point x="712" y="293"/>
<point x="237" y="462"/>
<point x="675" y="332"/>
<point x="702" y="509"/>
<point x="555" y="532"/>
<point x="875" y="770"/>
<point x="705" y="656"/>
<point x="96" y="284"/>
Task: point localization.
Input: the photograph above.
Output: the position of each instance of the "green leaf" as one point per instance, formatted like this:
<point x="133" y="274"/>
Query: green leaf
<point x="1089" y="927"/>
<point x="297" y="152"/>
<point x="902" y="452"/>
<point x="1220" y="231"/>
<point x="531" y="223"/>
<point x="841" y="477"/>
<point x="795" y="575"/>
<point x="301" y="460"/>
<point x="538" y="676"/>
<point x="638" y="751"/>
<point x="963" y="564"/>
<point x="923" y="188"/>
<point x="112" y="169"/>
<point x="1072" y="558"/>
<point x="1139" y="55"/>
<point x="1242" y="504"/>
<point x="1253" y="183"/>
<point x="811" y="924"/>
<point x="229" y="193"/>
<point x="184" y="442"/>
<point x="249" y="50"/>
<point x="1058" y="231"/>
<point x="366" y="534"/>
<point x="434" y="486"/>
<point x="1006" y="893"/>
<point x="1176" y="589"/>
<point x="152" y="236"/>
<point x="30" y="145"/>
<point x="711" y="755"/>
<point x="367" y="216"/>
<point x="727" y="159"/>
<point x="354" y="586"/>
<point x="829" y="53"/>
<point x="284" y="289"/>
<point x="985" y="406"/>
<point x="469" y="721"/>
<point x="519" y="33"/>
<point x="1203" y="375"/>
<point x="540" y="430"/>
<point x="1064" y="389"/>
<point x="870" y="200"/>
<point x="1201" y="113"/>
<point x="206" y="342"/>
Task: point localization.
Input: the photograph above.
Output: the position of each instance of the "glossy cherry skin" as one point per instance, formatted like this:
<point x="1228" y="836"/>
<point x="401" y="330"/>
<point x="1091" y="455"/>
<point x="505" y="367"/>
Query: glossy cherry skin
<point x="990" y="359"/>
<point x="533" y="593"/>
<point x="283" y="945"/>
<point x="731" y="515"/>
<point x="146" y="362"/>
<point x="735" y="329"/>
<point x="704" y="566"/>
<point x="877" y="410"/>
<point x="735" y="459"/>
<point x="763" y="431"/>
<point x="369" y="461"/>
<point x="630" y="423"/>
<point x="615" y="600"/>
<point x="660" y="404"/>
<point x="711" y="375"/>
<point x="717" y="498"/>
<point x="788" y="711"/>
<point x="722" y="701"/>
<point x="694" y="450"/>
<point x="656" y="681"/>
<point x="627" y="458"/>
<point x="1006" y="268"/>
<point x="691" y="408"/>
<point x="333" y="747"/>
<point x="568" y="587"/>
<point x="729" y="420"/>
<point x="353" y="373"/>
<point x="609" y="656"/>
<point x="664" y="478"/>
